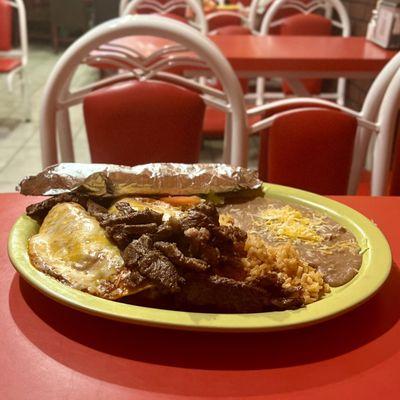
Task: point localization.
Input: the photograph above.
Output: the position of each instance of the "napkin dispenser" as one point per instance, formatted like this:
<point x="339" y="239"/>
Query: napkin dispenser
<point x="386" y="25"/>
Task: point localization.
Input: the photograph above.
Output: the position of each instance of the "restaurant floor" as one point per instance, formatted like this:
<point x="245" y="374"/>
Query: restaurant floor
<point x="20" y="142"/>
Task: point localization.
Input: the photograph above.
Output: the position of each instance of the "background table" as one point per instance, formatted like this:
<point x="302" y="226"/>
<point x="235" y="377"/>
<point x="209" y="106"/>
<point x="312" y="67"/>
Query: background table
<point x="289" y="57"/>
<point x="48" y="351"/>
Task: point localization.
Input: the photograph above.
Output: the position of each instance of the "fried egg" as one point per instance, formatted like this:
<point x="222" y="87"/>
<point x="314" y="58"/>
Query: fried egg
<point x="72" y="247"/>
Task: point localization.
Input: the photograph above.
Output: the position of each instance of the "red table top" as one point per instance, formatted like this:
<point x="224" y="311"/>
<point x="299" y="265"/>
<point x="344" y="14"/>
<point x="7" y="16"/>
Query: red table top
<point x="48" y="351"/>
<point x="288" y="53"/>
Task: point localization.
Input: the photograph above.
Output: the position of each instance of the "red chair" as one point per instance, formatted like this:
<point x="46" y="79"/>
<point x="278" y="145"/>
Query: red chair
<point x="311" y="149"/>
<point x="13" y="61"/>
<point x="219" y="19"/>
<point x="258" y="9"/>
<point x="320" y="146"/>
<point x="137" y="122"/>
<point x="307" y="25"/>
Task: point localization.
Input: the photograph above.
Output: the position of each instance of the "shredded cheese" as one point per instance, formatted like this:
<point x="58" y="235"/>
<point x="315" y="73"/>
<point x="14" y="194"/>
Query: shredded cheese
<point x="288" y="222"/>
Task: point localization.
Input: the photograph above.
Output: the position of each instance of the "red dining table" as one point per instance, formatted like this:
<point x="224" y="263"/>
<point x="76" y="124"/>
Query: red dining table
<point x="288" y="57"/>
<point x="48" y="351"/>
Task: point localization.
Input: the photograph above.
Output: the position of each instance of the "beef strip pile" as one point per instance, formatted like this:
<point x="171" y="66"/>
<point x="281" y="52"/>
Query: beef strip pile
<point x="194" y="260"/>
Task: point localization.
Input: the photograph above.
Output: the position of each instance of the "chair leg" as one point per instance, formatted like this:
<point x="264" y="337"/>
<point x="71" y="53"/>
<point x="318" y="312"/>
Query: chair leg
<point x="26" y="103"/>
<point x="341" y="91"/>
<point x="260" y="87"/>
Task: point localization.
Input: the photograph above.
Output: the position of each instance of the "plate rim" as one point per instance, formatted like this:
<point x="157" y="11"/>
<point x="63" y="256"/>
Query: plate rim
<point x="358" y="223"/>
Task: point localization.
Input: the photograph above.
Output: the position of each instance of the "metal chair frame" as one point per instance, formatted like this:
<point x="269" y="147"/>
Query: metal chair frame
<point x="96" y="46"/>
<point x="199" y="22"/>
<point x="22" y="54"/>
<point x="327" y="6"/>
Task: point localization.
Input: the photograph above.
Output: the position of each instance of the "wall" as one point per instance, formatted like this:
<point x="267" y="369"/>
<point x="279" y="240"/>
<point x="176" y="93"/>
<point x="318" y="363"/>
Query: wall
<point x="360" y="13"/>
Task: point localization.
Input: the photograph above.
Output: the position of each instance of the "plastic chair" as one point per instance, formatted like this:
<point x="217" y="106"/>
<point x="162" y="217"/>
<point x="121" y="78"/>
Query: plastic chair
<point x="189" y="11"/>
<point x="309" y="149"/>
<point x="14" y="61"/>
<point x="257" y="10"/>
<point x="220" y="19"/>
<point x="122" y="117"/>
<point x="135" y="84"/>
<point x="305" y="21"/>
<point x="306" y="138"/>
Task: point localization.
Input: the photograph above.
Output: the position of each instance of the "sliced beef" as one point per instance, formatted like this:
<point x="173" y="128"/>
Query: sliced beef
<point x="198" y="244"/>
<point x="230" y="240"/>
<point x="128" y="224"/>
<point x="136" y="278"/>
<point x="168" y="231"/>
<point x="96" y="210"/>
<point x="203" y="215"/>
<point x="171" y="251"/>
<point x="39" y="211"/>
<point x="141" y="256"/>
<point x="224" y="294"/>
<point x="146" y="216"/>
<point x="221" y="294"/>
<point x="124" y="207"/>
<point x="280" y="298"/>
<point x="123" y="234"/>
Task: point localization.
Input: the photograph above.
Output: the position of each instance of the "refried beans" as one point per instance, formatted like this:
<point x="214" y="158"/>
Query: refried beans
<point x="320" y="241"/>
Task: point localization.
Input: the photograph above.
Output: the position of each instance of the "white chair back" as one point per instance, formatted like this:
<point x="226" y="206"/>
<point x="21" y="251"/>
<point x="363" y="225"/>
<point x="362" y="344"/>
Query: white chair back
<point x="189" y="48"/>
<point x="156" y="7"/>
<point x="256" y="10"/>
<point x="381" y="105"/>
<point x="378" y="117"/>
<point x="326" y="6"/>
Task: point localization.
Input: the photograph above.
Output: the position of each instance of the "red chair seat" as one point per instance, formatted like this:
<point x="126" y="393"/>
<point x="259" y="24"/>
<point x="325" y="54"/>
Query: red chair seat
<point x="9" y="64"/>
<point x="140" y="122"/>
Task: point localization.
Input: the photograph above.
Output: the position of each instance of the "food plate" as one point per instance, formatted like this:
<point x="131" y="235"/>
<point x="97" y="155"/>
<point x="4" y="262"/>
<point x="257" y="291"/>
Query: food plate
<point x="375" y="268"/>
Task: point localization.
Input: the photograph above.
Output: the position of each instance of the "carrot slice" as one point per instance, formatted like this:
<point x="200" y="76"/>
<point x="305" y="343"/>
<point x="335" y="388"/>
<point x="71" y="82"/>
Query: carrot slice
<point x="181" y="201"/>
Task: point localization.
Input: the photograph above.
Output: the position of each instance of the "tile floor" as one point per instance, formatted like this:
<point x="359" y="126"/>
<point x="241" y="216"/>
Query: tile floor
<point x="19" y="141"/>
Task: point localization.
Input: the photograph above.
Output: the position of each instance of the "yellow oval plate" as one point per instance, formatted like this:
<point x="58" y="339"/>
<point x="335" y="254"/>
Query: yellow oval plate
<point x="375" y="268"/>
